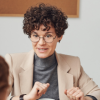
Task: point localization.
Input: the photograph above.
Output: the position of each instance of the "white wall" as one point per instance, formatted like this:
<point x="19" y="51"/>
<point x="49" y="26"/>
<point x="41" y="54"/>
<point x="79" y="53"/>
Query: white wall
<point x="81" y="39"/>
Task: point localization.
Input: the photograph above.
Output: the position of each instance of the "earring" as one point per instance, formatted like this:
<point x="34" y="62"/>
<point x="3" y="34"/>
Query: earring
<point x="59" y="41"/>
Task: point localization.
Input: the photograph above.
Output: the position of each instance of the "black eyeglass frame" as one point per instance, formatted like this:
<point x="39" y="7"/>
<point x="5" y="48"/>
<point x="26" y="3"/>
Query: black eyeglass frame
<point x="43" y="39"/>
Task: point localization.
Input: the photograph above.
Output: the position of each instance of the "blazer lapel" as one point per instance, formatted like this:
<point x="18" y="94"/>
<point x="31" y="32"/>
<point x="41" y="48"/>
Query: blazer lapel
<point x="26" y="76"/>
<point x="65" y="80"/>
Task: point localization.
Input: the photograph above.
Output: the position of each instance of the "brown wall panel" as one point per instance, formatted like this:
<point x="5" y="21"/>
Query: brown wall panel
<point x="19" y="7"/>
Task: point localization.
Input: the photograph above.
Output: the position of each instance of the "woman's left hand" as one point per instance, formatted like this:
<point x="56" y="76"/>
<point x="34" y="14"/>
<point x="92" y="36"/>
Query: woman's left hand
<point x="75" y="94"/>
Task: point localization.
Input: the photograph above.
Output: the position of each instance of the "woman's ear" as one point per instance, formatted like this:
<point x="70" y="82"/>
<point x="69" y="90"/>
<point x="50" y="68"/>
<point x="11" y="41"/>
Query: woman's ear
<point x="60" y="38"/>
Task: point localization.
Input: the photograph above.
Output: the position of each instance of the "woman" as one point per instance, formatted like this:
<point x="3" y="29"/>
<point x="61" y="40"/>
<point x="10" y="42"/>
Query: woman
<point x="43" y="73"/>
<point x="4" y="85"/>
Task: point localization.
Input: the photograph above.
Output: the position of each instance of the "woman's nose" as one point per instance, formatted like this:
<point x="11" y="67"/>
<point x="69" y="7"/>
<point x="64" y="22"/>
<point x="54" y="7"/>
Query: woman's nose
<point x="41" y="41"/>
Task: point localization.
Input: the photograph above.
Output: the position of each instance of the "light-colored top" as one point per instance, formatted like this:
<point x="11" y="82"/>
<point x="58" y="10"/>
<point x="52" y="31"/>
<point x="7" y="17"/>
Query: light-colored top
<point x="70" y="73"/>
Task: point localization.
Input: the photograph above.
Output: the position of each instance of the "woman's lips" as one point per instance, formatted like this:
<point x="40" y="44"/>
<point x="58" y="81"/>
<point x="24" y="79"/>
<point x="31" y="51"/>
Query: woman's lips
<point x="42" y="50"/>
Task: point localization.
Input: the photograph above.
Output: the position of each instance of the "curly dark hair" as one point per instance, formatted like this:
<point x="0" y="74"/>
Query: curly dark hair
<point x="4" y="73"/>
<point x="46" y="15"/>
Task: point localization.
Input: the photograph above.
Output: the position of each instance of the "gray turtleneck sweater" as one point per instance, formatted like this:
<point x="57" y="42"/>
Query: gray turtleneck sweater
<point x="45" y="71"/>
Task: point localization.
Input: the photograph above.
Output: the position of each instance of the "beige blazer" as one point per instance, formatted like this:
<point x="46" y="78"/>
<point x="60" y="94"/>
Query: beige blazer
<point x="70" y="74"/>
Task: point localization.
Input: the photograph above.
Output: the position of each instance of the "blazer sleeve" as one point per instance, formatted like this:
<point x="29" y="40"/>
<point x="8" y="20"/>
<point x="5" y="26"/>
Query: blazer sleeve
<point x="87" y="85"/>
<point x="9" y="61"/>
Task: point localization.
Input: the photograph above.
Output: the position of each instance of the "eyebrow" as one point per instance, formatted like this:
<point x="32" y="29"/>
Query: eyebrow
<point x="45" y="33"/>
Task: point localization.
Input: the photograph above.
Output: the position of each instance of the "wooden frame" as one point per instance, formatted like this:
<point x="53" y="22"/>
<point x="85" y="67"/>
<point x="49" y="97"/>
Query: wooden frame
<point x="77" y="15"/>
<point x="6" y="6"/>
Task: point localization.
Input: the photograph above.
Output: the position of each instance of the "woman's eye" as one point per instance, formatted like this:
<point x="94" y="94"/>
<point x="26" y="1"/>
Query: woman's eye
<point x="35" y="35"/>
<point x="48" y="36"/>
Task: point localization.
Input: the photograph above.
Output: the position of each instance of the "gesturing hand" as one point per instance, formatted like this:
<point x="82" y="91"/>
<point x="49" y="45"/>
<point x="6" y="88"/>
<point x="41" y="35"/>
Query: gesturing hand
<point x="74" y="94"/>
<point x="37" y="91"/>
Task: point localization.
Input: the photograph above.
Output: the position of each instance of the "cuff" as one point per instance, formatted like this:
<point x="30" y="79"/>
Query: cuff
<point x="94" y="98"/>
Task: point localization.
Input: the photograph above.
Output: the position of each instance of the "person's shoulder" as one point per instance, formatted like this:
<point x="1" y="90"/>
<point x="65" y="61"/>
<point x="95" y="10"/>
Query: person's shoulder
<point x="17" y="57"/>
<point x="71" y="60"/>
<point x="14" y="55"/>
<point x="68" y="57"/>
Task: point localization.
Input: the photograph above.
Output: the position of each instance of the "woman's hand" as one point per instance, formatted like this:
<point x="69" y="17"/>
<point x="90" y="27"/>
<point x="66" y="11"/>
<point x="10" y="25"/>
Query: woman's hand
<point x="37" y="91"/>
<point x="75" y="94"/>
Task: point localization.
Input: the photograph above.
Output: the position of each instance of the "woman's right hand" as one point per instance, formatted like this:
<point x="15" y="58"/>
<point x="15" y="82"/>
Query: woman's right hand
<point x="37" y="91"/>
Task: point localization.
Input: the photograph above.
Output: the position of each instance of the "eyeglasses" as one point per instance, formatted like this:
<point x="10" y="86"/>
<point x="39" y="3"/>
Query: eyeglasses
<point x="47" y="38"/>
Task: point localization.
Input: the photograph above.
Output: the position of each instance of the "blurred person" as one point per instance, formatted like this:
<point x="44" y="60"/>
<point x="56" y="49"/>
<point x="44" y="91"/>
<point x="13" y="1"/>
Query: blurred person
<point x="4" y="73"/>
<point x="42" y="72"/>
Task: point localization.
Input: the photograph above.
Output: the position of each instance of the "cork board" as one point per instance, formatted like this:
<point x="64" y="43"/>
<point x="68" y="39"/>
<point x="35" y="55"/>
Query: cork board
<point x="19" y="7"/>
